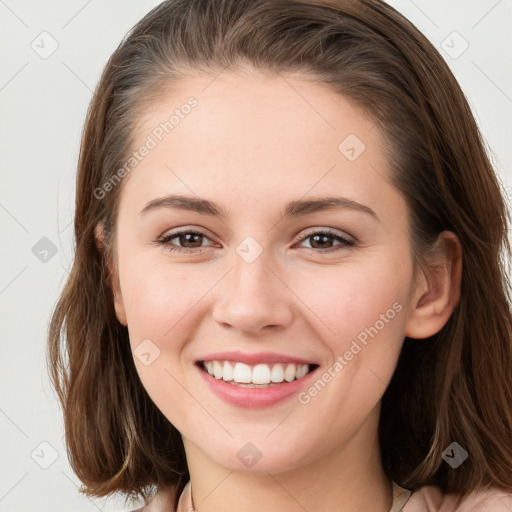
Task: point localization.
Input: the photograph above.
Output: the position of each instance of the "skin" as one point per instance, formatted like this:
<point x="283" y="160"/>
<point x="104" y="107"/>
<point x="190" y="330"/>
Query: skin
<point x="252" y="144"/>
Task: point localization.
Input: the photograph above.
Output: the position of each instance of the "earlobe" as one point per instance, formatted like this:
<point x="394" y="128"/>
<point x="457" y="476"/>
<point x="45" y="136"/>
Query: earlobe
<point x="120" y="311"/>
<point x="438" y="292"/>
<point x="113" y="278"/>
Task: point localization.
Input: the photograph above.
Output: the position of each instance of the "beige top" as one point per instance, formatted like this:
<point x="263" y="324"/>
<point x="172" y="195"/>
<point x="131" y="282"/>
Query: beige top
<point x="426" y="499"/>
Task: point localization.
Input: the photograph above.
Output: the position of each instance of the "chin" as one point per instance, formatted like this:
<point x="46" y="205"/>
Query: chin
<point x="250" y="459"/>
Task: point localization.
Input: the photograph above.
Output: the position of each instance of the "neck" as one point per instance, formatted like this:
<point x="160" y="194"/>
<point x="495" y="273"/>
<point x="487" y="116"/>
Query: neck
<point x="341" y="481"/>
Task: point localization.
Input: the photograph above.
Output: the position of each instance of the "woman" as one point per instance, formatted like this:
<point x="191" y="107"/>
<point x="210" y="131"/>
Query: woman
<point x="289" y="290"/>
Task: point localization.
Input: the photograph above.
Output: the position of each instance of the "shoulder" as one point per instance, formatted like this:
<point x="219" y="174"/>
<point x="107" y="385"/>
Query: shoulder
<point x="486" y="499"/>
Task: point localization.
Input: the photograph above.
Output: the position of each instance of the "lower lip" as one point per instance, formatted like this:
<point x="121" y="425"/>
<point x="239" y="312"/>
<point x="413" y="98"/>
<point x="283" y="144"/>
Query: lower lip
<point x="255" y="398"/>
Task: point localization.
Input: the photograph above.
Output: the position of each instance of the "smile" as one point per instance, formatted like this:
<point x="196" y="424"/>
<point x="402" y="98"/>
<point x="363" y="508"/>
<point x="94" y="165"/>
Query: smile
<point x="255" y="386"/>
<point x="260" y="375"/>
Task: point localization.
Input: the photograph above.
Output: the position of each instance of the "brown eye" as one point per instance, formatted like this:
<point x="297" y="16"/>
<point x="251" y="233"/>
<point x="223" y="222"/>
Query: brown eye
<point x="323" y="241"/>
<point x="188" y="241"/>
<point x="190" y="238"/>
<point x="191" y="241"/>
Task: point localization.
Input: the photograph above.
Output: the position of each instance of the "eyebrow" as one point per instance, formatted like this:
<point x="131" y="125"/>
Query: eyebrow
<point x="292" y="209"/>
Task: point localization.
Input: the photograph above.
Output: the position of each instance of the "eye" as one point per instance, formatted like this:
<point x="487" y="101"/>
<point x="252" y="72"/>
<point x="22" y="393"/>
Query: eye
<point x="194" y="238"/>
<point x="193" y="241"/>
<point x="320" y="240"/>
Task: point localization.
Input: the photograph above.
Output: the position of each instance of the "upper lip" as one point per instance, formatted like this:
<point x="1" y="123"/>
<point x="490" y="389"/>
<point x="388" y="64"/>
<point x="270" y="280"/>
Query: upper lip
<point x="254" y="358"/>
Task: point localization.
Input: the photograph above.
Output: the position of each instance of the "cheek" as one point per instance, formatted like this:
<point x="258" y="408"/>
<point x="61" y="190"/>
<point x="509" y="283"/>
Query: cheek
<point x="158" y="300"/>
<point x="364" y="307"/>
<point x="348" y="299"/>
<point x="157" y="296"/>
<point x="372" y="322"/>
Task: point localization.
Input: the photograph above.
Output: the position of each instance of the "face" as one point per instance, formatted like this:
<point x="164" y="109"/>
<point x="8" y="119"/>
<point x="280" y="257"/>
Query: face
<point x="263" y="271"/>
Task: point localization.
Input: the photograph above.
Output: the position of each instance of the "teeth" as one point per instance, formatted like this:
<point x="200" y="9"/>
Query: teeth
<point x="302" y="370"/>
<point x="242" y="373"/>
<point x="289" y="373"/>
<point x="227" y="371"/>
<point x="261" y="374"/>
<point x="258" y="375"/>
<point x="217" y="370"/>
<point x="277" y="374"/>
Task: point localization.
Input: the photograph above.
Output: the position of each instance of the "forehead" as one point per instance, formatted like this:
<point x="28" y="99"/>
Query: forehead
<point x="267" y="135"/>
<point x="257" y="111"/>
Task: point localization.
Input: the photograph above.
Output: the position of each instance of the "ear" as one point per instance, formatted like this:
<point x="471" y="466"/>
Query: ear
<point x="438" y="290"/>
<point x="113" y="277"/>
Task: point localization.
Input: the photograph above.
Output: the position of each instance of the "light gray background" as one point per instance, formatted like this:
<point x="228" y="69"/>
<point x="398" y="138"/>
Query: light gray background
<point x="43" y="103"/>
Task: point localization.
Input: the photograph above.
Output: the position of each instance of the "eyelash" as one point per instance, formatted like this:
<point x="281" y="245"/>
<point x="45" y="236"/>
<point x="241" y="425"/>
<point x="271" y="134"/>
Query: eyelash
<point x="345" y="242"/>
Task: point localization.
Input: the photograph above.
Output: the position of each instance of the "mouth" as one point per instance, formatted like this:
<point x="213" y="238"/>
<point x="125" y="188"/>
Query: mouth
<point x="261" y="375"/>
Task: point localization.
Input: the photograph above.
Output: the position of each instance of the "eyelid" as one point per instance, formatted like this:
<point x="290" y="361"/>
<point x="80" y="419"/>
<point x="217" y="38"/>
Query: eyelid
<point x="185" y="229"/>
<point x="345" y="240"/>
<point x="330" y="231"/>
<point x="166" y="237"/>
<point x="298" y="238"/>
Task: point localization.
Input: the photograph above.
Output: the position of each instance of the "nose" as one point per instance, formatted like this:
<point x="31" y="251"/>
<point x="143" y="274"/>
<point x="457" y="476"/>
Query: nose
<point x="254" y="298"/>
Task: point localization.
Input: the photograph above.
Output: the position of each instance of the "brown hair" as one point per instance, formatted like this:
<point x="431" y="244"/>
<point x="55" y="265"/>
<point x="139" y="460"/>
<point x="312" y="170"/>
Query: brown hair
<point x="454" y="386"/>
